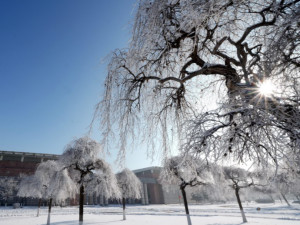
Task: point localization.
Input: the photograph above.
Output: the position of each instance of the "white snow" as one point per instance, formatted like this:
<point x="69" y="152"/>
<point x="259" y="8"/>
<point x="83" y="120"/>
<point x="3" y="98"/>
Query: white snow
<point x="225" y="214"/>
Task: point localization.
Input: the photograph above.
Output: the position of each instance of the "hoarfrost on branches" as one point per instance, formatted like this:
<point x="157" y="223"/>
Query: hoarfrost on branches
<point x="30" y="187"/>
<point x="184" y="171"/>
<point x="197" y="66"/>
<point x="48" y="181"/>
<point x="130" y="187"/>
<point x="88" y="171"/>
<point x="103" y="182"/>
<point x="62" y="186"/>
<point x="129" y="184"/>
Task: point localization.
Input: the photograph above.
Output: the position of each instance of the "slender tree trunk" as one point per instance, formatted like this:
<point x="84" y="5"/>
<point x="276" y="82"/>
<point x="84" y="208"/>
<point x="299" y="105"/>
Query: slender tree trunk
<point x="186" y="206"/>
<point x="81" y="200"/>
<point x="283" y="196"/>
<point x="280" y="199"/>
<point x="39" y="206"/>
<point x="297" y="196"/>
<point x="272" y="198"/>
<point x="240" y="205"/>
<point x="124" y="202"/>
<point x="49" y="211"/>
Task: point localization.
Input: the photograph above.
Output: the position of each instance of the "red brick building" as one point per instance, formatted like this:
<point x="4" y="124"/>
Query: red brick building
<point x="15" y="164"/>
<point x="152" y="189"/>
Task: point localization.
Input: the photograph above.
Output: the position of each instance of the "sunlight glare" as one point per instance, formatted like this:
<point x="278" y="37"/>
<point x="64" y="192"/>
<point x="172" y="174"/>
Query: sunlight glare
<point x="266" y="88"/>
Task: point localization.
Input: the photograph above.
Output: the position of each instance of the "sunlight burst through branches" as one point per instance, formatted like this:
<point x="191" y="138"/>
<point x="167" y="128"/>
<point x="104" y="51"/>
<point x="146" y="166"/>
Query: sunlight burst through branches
<point x="266" y="88"/>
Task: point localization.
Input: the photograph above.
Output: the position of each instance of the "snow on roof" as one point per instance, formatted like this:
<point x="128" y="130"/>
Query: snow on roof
<point x="28" y="154"/>
<point x="147" y="169"/>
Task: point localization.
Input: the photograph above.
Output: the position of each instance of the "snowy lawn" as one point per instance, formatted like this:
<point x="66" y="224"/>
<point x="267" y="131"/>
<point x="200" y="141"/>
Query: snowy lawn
<point x="229" y="214"/>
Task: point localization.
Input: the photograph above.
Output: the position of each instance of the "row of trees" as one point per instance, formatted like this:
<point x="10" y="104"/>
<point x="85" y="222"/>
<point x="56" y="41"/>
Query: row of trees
<point x="187" y="171"/>
<point x="79" y="170"/>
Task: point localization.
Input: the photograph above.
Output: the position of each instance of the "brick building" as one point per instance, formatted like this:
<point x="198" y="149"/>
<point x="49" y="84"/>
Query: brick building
<point x="152" y="189"/>
<point x="13" y="164"/>
<point x="16" y="164"/>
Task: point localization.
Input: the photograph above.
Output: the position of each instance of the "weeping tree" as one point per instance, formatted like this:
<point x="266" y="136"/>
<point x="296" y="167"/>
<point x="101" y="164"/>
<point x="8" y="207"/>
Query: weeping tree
<point x="207" y="69"/>
<point x="49" y="182"/>
<point x="87" y="170"/>
<point x="31" y="188"/>
<point x="185" y="171"/>
<point x="103" y="182"/>
<point x="130" y="187"/>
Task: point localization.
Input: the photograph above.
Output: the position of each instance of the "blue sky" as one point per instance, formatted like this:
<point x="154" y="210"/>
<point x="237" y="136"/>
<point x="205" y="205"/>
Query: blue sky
<point x="51" y="73"/>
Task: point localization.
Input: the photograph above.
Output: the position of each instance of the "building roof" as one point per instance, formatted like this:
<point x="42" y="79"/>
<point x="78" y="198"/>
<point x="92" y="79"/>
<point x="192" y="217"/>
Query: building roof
<point x="11" y="155"/>
<point x="147" y="169"/>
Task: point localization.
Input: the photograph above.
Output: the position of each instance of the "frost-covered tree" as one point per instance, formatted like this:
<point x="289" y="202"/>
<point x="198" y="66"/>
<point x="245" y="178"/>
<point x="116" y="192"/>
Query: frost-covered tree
<point x="238" y="179"/>
<point x="8" y="187"/>
<point x="88" y="171"/>
<point x="130" y="187"/>
<point x="30" y="187"/>
<point x="212" y="63"/>
<point x="283" y="182"/>
<point x="49" y="182"/>
<point x="185" y="171"/>
<point x="296" y="189"/>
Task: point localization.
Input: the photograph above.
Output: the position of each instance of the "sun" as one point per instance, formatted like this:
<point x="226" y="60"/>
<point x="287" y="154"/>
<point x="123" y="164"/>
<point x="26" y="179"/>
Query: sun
<point x="266" y="88"/>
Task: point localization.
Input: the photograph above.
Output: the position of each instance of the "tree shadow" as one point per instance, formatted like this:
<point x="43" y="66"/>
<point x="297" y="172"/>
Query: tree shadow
<point x="76" y="222"/>
<point x="226" y="223"/>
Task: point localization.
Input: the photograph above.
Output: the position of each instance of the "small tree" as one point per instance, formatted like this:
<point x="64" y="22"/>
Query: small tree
<point x="49" y="182"/>
<point x="238" y="179"/>
<point x="185" y="171"/>
<point x="283" y="182"/>
<point x="30" y="187"/>
<point x="87" y="170"/>
<point x="129" y="185"/>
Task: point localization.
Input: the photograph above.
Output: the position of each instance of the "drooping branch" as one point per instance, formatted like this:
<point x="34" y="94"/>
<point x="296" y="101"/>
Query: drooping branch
<point x="183" y="51"/>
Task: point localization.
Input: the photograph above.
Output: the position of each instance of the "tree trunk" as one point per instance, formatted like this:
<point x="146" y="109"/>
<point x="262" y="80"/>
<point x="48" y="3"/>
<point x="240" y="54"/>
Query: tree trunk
<point x="124" y="202"/>
<point x="283" y="196"/>
<point x="39" y="206"/>
<point x="272" y="198"/>
<point x="297" y="196"/>
<point x="240" y="205"/>
<point x="49" y="211"/>
<point x="280" y="199"/>
<point x="81" y="200"/>
<point x="186" y="206"/>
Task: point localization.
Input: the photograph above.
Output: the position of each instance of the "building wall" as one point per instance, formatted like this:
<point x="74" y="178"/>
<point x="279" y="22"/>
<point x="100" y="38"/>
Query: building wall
<point x="15" y="164"/>
<point x="150" y="179"/>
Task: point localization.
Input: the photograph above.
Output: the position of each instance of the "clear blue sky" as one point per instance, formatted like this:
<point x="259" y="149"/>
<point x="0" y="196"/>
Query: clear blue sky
<point x="51" y="72"/>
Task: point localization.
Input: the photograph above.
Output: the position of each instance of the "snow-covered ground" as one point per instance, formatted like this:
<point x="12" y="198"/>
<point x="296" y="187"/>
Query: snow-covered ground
<point x="229" y="214"/>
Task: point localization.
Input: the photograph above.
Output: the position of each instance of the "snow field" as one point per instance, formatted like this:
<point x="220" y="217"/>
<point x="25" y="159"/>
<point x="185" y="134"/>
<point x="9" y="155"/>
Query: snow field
<point x="226" y="214"/>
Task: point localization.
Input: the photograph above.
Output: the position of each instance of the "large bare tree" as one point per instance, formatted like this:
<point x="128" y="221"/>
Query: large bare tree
<point x="204" y="68"/>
